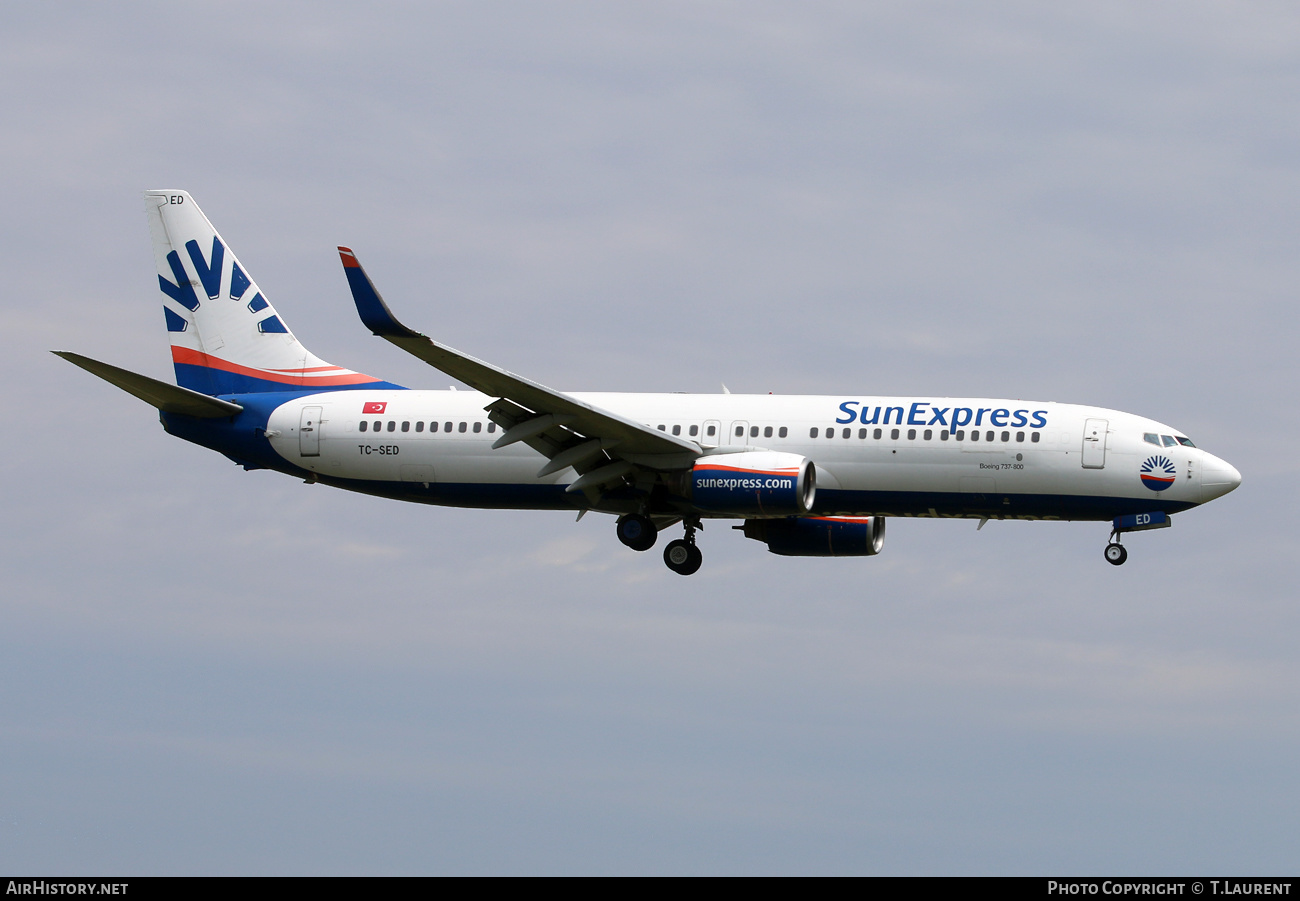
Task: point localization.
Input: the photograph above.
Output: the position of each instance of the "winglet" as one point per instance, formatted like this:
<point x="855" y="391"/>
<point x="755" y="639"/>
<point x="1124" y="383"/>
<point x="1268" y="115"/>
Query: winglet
<point x="374" y="313"/>
<point x="537" y="400"/>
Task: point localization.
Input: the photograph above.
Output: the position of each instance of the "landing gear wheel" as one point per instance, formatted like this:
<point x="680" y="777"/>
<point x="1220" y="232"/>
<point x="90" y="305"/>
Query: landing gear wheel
<point x="682" y="557"/>
<point x="637" y="531"/>
<point x="1116" y="554"/>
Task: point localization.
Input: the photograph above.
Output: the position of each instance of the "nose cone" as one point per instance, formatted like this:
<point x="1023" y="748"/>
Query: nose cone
<point x="1218" y="477"/>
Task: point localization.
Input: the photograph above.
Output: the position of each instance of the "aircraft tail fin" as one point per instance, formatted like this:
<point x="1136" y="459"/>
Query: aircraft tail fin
<point x="226" y="337"/>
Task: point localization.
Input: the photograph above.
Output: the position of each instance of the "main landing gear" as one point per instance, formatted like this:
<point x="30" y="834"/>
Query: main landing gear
<point x="681" y="555"/>
<point x="639" y="532"/>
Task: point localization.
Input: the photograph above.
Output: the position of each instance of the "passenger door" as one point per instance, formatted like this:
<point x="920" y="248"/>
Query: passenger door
<point x="1094" y="444"/>
<point x="309" y="432"/>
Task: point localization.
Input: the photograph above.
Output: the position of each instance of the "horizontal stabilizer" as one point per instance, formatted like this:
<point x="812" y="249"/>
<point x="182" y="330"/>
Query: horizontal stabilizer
<point x="166" y="397"/>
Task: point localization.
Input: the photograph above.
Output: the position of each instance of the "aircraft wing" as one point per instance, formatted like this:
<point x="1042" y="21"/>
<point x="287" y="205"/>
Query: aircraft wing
<point x="549" y="421"/>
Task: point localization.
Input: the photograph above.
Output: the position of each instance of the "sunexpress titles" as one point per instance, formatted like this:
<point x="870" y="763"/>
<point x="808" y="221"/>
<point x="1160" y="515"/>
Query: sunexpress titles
<point x="927" y="413"/>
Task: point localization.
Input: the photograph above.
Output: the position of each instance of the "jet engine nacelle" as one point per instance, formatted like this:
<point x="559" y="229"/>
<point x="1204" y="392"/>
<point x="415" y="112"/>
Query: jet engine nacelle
<point x="819" y="536"/>
<point x="755" y="483"/>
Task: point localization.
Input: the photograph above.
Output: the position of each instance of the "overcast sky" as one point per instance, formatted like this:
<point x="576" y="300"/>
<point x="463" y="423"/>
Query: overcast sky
<point x="204" y="670"/>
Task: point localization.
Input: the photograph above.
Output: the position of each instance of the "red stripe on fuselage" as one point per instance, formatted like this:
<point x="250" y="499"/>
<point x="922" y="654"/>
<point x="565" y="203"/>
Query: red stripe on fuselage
<point x="793" y="471"/>
<point x="195" y="358"/>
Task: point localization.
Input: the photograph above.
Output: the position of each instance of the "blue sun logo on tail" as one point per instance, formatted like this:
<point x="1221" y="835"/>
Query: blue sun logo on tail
<point x="1157" y="473"/>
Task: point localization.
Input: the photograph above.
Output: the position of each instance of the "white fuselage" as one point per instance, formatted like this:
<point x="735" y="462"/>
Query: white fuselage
<point x="873" y="455"/>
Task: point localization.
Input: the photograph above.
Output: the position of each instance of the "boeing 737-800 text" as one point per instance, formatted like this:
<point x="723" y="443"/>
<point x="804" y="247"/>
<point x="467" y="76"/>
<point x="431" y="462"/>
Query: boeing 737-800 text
<point x="808" y="476"/>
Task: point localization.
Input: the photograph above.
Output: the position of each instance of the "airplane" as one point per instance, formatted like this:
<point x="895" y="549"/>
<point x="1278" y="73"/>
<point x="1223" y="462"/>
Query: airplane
<point x="805" y="475"/>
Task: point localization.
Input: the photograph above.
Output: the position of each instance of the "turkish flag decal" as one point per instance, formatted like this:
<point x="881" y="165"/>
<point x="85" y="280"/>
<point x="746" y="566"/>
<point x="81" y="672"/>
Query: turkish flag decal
<point x="374" y="407"/>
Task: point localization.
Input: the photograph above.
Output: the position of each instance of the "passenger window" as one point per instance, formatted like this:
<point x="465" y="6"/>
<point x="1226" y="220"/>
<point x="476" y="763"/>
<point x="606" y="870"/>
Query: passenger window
<point x="812" y="433"/>
<point x="960" y="434"/>
<point x="662" y="428"/>
<point x="446" y="427"/>
<point x="988" y="436"/>
<point x="711" y="430"/>
<point x="1006" y="436"/>
<point x="378" y="426"/>
<point x="406" y="427"/>
<point x="1168" y="440"/>
<point x="767" y="432"/>
<point x="911" y="434"/>
<point x="927" y="435"/>
<point x="462" y="427"/>
<point x="433" y="427"/>
<point x="943" y="434"/>
<point x="492" y="427"/>
<point x="893" y="433"/>
<point x="830" y="433"/>
<point x="677" y="430"/>
<point x="392" y="425"/>
<point x="1185" y="442"/>
<point x="363" y="425"/>
<point x="1151" y="438"/>
<point x="784" y="431"/>
<point x="695" y="430"/>
<point x="478" y="427"/>
<point x="876" y="434"/>
<point x="740" y="431"/>
<point x="862" y="433"/>
<point x="1034" y="438"/>
<point x="974" y="435"/>
<point x="753" y="431"/>
<point x="1020" y="436"/>
<point x="419" y="426"/>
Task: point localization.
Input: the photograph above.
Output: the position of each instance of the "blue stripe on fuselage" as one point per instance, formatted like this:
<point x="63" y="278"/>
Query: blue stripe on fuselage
<point x="839" y="502"/>
<point x="465" y="494"/>
<point x="836" y="503"/>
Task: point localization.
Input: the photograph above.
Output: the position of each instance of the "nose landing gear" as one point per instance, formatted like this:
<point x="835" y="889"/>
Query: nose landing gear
<point x="681" y="555"/>
<point x="1115" y="552"/>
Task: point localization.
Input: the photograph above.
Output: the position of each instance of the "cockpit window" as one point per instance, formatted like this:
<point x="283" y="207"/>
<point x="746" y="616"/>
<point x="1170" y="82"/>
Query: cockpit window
<point x="1185" y="442"/>
<point x="1168" y="440"/>
<point x="1151" y="438"/>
